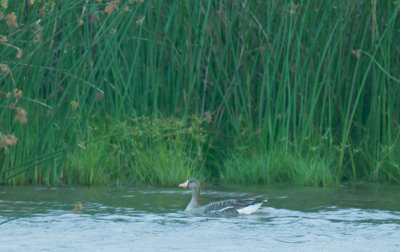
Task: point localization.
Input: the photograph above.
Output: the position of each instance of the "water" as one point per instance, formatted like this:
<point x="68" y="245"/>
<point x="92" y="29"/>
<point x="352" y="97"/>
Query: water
<point x="355" y="218"/>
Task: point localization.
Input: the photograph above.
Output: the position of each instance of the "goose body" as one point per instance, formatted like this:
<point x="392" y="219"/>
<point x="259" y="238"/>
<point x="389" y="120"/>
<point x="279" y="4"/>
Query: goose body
<point x="231" y="207"/>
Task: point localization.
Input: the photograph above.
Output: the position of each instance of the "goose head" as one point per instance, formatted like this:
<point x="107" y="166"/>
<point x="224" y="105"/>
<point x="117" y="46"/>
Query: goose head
<point x="191" y="183"/>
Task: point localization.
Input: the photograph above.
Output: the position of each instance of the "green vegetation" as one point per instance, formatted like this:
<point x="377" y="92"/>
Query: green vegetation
<point x="97" y="92"/>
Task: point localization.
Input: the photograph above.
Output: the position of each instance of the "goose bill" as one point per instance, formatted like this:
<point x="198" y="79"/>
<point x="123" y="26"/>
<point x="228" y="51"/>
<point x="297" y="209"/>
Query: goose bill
<point x="184" y="184"/>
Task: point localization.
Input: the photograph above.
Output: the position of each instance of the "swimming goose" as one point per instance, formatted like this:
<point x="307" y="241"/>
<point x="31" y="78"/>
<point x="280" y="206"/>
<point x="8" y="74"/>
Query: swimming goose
<point x="230" y="207"/>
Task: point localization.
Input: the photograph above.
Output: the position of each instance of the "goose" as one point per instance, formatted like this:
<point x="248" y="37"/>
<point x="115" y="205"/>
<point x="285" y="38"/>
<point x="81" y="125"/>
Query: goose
<point x="231" y="207"/>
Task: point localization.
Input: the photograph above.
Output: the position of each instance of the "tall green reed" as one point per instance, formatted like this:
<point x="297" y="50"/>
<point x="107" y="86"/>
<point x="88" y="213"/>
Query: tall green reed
<point x="314" y="83"/>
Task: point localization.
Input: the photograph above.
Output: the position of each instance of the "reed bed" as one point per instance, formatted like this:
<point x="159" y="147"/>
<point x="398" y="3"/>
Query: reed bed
<point x="99" y="92"/>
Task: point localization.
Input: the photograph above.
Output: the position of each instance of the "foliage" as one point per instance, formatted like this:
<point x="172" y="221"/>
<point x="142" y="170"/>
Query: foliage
<point x="314" y="84"/>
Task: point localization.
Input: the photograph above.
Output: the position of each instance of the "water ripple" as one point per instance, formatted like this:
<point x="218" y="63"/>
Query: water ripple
<point x="154" y="221"/>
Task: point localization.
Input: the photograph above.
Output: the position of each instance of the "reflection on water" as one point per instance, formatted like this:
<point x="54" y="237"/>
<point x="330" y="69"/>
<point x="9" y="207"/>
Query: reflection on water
<point x="357" y="218"/>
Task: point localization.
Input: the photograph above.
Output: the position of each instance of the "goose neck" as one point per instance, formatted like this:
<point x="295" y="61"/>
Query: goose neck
<point x="194" y="202"/>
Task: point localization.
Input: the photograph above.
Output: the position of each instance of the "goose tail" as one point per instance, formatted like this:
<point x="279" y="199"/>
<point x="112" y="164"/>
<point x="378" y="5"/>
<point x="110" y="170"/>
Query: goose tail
<point x="249" y="209"/>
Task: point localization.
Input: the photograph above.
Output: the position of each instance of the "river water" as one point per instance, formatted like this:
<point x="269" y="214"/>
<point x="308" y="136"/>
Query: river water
<point x="137" y="218"/>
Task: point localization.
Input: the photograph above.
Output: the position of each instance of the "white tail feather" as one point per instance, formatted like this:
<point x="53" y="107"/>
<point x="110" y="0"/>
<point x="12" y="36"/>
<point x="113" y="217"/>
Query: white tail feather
<point x="250" y="209"/>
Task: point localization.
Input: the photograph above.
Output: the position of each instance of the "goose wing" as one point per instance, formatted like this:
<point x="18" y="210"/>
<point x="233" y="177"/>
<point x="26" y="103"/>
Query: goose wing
<point x="227" y="207"/>
<point x="227" y="211"/>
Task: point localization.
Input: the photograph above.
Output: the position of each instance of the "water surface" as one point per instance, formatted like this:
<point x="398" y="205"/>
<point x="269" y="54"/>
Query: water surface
<point x="346" y="218"/>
